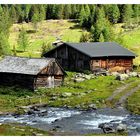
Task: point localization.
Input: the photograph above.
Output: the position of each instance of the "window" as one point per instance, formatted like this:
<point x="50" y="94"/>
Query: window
<point x="57" y="77"/>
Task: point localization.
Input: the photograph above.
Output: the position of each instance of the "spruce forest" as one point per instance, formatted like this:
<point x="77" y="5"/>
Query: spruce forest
<point x="98" y="20"/>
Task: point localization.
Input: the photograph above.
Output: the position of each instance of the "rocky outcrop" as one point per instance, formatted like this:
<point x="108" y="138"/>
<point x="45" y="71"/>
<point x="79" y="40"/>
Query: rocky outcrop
<point x="122" y="77"/>
<point x="66" y="94"/>
<point x="107" y="128"/>
<point x="80" y="77"/>
<point x="92" y="107"/>
<point x="121" y="128"/>
<point x="30" y="110"/>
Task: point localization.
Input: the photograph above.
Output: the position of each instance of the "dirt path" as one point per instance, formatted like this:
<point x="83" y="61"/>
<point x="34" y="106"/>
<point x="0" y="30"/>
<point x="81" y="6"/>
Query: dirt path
<point x="118" y="90"/>
<point x="123" y="98"/>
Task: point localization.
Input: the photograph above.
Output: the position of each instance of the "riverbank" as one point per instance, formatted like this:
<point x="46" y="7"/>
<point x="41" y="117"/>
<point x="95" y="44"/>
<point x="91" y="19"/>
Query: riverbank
<point x="86" y="95"/>
<point x="15" y="129"/>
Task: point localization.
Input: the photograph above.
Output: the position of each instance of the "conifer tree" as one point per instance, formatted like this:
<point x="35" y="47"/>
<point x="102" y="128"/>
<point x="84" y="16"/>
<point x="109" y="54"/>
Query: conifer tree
<point x="107" y="34"/>
<point x="127" y="13"/>
<point x="85" y="37"/>
<point x="136" y="10"/>
<point x="87" y="10"/>
<point x="35" y="16"/>
<point x="42" y="12"/>
<point x="99" y="24"/>
<point x="26" y="12"/>
<point x="46" y="47"/>
<point x="1" y="9"/>
<point x="13" y="14"/>
<point x="114" y="13"/>
<point x="60" y="8"/>
<point x="67" y="11"/>
<point x="23" y="41"/>
<point x="92" y="31"/>
<point x="82" y="16"/>
<point x="54" y="11"/>
<point x="92" y="15"/>
<point x="20" y="13"/>
<point x="4" y="44"/>
<point x="101" y="38"/>
<point x="74" y="11"/>
<point x="5" y="21"/>
<point x="87" y="15"/>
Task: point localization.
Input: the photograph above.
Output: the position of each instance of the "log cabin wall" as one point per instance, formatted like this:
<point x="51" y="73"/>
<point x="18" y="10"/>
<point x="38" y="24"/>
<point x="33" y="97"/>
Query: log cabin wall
<point x="48" y="81"/>
<point x="78" y="60"/>
<point x="71" y="59"/>
<point x="20" y="80"/>
<point x="50" y="76"/>
<point x="108" y="63"/>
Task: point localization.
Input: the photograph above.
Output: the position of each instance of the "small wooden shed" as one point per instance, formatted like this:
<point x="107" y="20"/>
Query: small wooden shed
<point x="31" y="73"/>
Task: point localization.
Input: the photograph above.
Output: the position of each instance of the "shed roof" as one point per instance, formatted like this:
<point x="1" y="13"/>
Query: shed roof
<point x="22" y="65"/>
<point x="99" y="49"/>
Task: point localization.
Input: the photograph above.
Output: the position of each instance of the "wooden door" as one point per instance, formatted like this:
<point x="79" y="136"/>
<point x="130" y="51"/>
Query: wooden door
<point x="103" y="64"/>
<point x="50" y="82"/>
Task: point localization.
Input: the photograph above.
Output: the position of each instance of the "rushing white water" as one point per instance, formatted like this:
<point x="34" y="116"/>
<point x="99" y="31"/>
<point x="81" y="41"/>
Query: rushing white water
<point x="81" y="122"/>
<point x="52" y="115"/>
<point x="95" y="120"/>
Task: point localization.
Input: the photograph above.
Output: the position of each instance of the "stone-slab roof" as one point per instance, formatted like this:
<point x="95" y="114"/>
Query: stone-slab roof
<point x="22" y="65"/>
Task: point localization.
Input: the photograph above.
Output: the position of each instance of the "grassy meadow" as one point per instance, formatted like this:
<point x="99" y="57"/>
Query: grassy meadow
<point x="132" y="41"/>
<point x="47" y="31"/>
<point x="94" y="91"/>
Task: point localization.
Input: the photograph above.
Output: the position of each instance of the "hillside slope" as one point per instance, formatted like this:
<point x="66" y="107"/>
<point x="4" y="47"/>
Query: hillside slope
<point x="47" y="31"/>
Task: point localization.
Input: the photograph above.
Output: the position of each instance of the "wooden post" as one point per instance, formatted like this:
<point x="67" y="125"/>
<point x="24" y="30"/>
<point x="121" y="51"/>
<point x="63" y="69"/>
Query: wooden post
<point x="107" y="64"/>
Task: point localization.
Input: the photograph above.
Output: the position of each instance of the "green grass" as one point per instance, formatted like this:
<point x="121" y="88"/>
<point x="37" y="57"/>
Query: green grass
<point x="134" y="82"/>
<point x="96" y="91"/>
<point x="19" y="130"/>
<point x="132" y="41"/>
<point x="133" y="103"/>
<point x="47" y="31"/>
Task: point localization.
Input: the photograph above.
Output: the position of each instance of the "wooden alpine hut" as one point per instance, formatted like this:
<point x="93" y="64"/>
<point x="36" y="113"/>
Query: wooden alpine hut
<point x="31" y="73"/>
<point x="92" y="56"/>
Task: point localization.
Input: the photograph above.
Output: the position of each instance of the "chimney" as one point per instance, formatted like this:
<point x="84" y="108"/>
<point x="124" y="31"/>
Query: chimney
<point x="58" y="42"/>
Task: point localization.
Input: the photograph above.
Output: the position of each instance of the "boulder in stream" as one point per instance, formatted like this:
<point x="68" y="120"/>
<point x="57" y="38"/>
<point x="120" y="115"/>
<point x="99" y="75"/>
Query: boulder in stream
<point x="92" y="106"/>
<point x="113" y="127"/>
<point x="107" y="128"/>
<point x="121" y="128"/>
